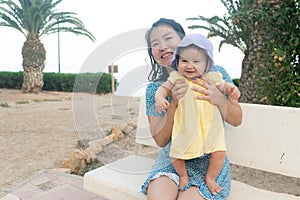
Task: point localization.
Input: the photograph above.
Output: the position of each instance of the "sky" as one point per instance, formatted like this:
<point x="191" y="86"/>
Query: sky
<point x="110" y="19"/>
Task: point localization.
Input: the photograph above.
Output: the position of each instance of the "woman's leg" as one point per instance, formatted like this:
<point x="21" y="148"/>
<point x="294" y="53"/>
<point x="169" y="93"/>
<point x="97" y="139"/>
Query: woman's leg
<point x="162" y="188"/>
<point x="191" y="193"/>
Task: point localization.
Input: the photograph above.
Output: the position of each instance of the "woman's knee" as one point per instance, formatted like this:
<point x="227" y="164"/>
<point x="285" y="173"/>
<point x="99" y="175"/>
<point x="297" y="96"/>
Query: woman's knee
<point x="162" y="188"/>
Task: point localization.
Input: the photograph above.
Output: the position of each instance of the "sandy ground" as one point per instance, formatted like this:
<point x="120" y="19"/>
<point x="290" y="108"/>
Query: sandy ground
<point x="39" y="131"/>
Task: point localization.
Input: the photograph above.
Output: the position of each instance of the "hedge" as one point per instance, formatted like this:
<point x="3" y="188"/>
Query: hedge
<point x="99" y="83"/>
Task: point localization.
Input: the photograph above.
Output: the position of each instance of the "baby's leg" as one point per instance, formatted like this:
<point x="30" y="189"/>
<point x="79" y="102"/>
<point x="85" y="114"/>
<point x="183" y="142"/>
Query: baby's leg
<point x="180" y="168"/>
<point x="216" y="163"/>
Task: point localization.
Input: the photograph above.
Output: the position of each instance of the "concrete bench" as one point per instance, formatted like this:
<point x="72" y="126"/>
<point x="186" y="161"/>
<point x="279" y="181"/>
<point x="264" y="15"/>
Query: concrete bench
<point x="267" y="140"/>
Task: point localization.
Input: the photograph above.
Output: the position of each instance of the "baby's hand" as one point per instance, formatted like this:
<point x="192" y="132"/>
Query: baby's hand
<point x="213" y="186"/>
<point x="234" y="92"/>
<point x="161" y="105"/>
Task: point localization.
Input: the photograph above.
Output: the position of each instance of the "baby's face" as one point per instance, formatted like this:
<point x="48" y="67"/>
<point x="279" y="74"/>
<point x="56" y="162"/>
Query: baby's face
<point x="192" y="62"/>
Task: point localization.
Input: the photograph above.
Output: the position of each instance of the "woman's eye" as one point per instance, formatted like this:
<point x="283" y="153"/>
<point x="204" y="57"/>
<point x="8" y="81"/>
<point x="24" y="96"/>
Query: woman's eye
<point x="155" y="44"/>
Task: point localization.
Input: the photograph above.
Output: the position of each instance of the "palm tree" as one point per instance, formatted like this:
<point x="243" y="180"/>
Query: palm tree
<point x="235" y="29"/>
<point x="35" y="18"/>
<point x="267" y="32"/>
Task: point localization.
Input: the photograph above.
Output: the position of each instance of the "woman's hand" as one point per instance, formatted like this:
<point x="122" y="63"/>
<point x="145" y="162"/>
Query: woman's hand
<point x="208" y="91"/>
<point x="179" y="90"/>
<point x="230" y="109"/>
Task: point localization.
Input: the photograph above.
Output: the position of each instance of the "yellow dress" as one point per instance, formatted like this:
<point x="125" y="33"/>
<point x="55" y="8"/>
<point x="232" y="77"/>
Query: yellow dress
<point x="198" y="126"/>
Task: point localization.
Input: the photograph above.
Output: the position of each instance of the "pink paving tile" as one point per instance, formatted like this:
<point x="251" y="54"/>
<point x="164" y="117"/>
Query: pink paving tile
<point x="49" y="185"/>
<point x="44" y="196"/>
<point x="76" y="182"/>
<point x="71" y="179"/>
<point x="43" y="178"/>
<point x="53" y="179"/>
<point x="71" y="192"/>
<point x="26" y="190"/>
<point x="99" y="198"/>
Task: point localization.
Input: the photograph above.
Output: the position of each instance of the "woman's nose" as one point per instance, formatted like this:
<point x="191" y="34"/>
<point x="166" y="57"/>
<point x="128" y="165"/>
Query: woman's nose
<point x="163" y="45"/>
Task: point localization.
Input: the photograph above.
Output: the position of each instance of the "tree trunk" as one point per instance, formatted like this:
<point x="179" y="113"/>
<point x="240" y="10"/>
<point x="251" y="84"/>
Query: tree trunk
<point x="34" y="56"/>
<point x="251" y="63"/>
<point x="259" y="57"/>
<point x="247" y="81"/>
<point x="258" y="72"/>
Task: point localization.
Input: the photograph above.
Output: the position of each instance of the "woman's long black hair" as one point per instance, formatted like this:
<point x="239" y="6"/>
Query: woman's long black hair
<point x="158" y="72"/>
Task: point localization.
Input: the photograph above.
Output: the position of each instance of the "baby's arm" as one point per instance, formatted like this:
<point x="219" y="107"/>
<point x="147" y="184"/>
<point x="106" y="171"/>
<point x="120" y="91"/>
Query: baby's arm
<point x="230" y="89"/>
<point x="161" y="102"/>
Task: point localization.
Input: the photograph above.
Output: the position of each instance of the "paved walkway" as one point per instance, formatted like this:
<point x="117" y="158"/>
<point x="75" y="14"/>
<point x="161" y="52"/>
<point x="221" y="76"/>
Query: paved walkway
<point x="51" y="185"/>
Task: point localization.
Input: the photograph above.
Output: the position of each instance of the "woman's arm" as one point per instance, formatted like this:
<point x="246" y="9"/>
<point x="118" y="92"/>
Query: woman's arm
<point x="161" y="126"/>
<point x="229" y="108"/>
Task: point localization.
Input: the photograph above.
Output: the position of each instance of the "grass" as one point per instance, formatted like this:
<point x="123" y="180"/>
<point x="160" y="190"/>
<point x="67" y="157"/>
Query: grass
<point x="41" y="100"/>
<point x="64" y="108"/>
<point x="22" y="102"/>
<point x="106" y="106"/>
<point x="132" y="112"/>
<point x="4" y="105"/>
<point x="116" y="117"/>
<point x="82" y="143"/>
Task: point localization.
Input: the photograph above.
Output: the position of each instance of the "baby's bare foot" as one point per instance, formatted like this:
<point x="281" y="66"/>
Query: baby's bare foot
<point x="213" y="186"/>
<point x="184" y="180"/>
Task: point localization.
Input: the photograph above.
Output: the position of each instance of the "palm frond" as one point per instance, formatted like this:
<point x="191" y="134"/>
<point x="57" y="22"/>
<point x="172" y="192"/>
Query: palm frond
<point x="223" y="27"/>
<point x="9" y="17"/>
<point x="35" y="18"/>
<point x="68" y="22"/>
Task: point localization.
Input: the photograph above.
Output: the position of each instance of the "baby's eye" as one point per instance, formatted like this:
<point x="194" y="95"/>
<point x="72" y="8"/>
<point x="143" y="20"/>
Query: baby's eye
<point x="183" y="60"/>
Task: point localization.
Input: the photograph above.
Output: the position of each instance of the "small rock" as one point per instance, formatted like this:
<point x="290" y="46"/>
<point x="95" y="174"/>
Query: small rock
<point x="95" y="146"/>
<point x="77" y="160"/>
<point x="132" y="124"/>
<point x="126" y="128"/>
<point x="118" y="134"/>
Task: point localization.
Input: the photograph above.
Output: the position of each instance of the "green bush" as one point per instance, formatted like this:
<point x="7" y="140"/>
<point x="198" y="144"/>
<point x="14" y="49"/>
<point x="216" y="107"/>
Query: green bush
<point x="11" y="80"/>
<point x="236" y="81"/>
<point x="59" y="82"/>
<point x="99" y="83"/>
<point x="93" y="83"/>
<point x="277" y="52"/>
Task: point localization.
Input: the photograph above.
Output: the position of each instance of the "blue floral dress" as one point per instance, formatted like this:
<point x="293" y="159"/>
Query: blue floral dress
<point x="197" y="167"/>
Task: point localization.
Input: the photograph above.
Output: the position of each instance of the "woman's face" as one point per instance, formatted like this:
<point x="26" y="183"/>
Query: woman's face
<point x="164" y="40"/>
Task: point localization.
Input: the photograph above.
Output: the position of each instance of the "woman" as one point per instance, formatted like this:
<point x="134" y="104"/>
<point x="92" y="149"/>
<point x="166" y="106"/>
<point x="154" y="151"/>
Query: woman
<point x="163" y="181"/>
